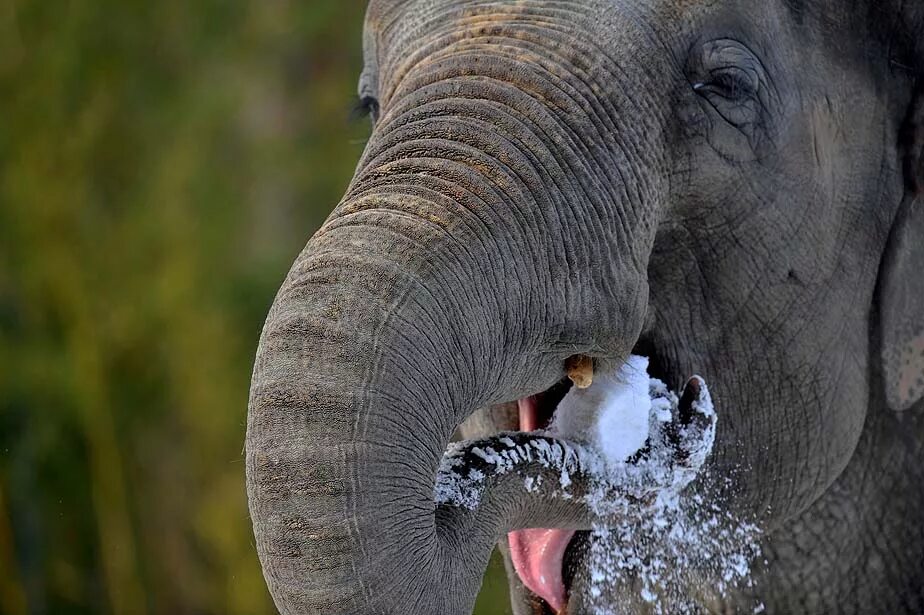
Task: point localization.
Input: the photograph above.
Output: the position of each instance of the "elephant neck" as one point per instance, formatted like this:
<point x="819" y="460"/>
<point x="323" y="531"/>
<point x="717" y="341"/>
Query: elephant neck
<point x="860" y="547"/>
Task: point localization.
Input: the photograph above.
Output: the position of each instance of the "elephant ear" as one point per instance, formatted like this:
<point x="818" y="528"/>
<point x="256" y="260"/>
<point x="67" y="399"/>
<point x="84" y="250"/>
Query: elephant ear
<point x="902" y="310"/>
<point x="905" y="26"/>
<point x="902" y="290"/>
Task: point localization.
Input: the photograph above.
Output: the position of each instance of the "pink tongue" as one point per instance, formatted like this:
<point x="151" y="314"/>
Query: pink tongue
<point x="537" y="554"/>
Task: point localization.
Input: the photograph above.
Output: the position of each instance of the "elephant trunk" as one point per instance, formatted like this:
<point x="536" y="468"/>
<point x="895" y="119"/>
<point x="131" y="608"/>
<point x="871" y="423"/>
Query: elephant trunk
<point x="359" y="376"/>
<point x="481" y="243"/>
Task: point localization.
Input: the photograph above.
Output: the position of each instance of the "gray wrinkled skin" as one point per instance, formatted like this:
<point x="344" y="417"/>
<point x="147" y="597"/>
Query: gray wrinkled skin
<point x="732" y="183"/>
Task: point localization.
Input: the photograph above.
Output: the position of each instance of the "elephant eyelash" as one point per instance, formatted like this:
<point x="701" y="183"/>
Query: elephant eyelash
<point x="730" y="83"/>
<point x="365" y="106"/>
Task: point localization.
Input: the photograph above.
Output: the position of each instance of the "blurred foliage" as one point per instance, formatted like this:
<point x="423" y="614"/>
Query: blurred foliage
<point x="161" y="164"/>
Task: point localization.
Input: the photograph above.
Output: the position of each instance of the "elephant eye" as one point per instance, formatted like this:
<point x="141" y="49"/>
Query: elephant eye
<point x="733" y="92"/>
<point x="366" y="106"/>
<point x="732" y="83"/>
<point x="730" y="79"/>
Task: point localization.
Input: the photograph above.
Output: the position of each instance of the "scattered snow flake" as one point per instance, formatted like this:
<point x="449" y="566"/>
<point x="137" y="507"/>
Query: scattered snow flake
<point x="652" y="534"/>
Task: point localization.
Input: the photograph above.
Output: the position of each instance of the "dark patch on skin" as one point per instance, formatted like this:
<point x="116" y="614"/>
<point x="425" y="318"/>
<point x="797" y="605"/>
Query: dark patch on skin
<point x="539" y="606"/>
<point x="797" y="10"/>
<point x="913" y="143"/>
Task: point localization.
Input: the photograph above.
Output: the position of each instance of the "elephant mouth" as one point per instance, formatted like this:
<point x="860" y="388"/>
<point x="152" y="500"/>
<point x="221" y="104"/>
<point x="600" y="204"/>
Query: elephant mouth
<point x="538" y="554"/>
<point x="547" y="560"/>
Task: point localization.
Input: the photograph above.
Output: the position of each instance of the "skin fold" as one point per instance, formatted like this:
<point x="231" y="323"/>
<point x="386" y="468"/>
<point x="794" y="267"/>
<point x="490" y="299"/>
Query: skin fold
<point x="729" y="187"/>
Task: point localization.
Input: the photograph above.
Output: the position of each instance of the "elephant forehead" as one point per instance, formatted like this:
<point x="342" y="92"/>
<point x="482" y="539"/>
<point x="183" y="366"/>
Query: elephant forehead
<point x="518" y="39"/>
<point x="407" y="21"/>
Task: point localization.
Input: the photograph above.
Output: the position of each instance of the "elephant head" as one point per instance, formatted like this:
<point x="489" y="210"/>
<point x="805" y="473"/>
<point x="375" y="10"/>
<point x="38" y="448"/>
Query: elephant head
<point x="726" y="187"/>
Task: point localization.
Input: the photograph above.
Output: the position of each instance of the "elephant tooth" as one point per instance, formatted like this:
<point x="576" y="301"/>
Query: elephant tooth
<point x="580" y="370"/>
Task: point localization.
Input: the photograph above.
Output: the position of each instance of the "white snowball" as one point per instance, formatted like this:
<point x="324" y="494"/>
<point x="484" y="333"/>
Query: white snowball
<point x="612" y="414"/>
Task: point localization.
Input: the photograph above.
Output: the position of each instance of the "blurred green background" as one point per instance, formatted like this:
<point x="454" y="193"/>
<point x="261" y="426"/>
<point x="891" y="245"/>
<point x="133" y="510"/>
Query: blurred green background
<point x="161" y="164"/>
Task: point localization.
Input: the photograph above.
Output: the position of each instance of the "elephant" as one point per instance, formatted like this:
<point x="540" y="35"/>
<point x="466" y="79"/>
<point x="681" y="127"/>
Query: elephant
<point x="732" y="189"/>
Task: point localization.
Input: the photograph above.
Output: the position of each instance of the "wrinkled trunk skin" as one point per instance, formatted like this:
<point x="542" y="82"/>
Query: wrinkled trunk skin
<point x="481" y="243"/>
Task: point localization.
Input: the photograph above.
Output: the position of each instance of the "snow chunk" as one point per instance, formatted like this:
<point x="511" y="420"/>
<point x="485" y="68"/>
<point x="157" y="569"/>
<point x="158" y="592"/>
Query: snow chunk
<point x="612" y="414"/>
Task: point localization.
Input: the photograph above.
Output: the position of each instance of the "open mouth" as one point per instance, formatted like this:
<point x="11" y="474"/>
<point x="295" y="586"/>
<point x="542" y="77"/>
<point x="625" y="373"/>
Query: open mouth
<point x="538" y="554"/>
<point x="546" y="560"/>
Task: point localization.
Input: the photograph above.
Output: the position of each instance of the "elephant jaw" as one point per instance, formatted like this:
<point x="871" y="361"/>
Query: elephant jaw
<point x="538" y="554"/>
